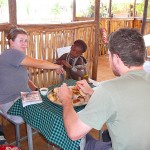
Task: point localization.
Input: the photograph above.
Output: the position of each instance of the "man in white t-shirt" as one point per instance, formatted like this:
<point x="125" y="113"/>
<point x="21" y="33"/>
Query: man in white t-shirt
<point x="122" y="103"/>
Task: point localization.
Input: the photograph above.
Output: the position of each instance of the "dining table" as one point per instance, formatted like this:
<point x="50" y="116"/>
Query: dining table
<point x="47" y="118"/>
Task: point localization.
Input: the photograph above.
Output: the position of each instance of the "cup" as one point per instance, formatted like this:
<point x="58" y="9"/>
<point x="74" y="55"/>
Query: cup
<point x="43" y="91"/>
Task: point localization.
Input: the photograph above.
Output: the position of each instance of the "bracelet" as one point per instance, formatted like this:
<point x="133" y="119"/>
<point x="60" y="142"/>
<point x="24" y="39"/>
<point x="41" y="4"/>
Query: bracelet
<point x="86" y="75"/>
<point x="36" y="89"/>
<point x="74" y="69"/>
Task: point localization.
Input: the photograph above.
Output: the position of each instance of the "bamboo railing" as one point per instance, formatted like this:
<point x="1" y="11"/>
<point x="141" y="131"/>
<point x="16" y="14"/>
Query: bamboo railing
<point x="45" y="39"/>
<point x="113" y="24"/>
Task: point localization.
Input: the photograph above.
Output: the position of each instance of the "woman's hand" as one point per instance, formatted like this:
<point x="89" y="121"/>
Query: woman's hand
<point x="64" y="94"/>
<point x="84" y="87"/>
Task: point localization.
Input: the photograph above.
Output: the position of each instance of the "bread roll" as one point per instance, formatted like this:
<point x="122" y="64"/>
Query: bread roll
<point x="81" y="93"/>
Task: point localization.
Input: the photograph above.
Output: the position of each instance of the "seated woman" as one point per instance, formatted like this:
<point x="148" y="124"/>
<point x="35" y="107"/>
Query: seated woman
<point x="74" y="63"/>
<point x="14" y="76"/>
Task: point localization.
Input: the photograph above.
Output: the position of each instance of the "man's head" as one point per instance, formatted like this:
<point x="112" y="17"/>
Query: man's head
<point x="78" y="48"/>
<point x="127" y="44"/>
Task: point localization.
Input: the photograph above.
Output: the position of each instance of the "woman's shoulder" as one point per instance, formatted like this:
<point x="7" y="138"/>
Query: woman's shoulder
<point x="13" y="53"/>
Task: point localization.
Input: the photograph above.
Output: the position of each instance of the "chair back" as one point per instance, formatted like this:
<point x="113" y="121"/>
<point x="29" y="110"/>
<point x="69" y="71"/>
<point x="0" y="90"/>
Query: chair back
<point x="147" y="44"/>
<point x="60" y="51"/>
<point x="63" y="50"/>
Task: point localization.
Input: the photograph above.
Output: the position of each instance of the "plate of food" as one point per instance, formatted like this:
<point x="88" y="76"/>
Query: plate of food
<point x="79" y="98"/>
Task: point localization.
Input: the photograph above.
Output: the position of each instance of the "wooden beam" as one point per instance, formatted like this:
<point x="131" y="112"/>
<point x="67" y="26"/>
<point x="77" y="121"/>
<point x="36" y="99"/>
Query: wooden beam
<point x="96" y="51"/>
<point x="134" y="9"/>
<point x="110" y="5"/>
<point x="74" y="10"/>
<point x="110" y="16"/>
<point x="12" y="12"/>
<point x="144" y="16"/>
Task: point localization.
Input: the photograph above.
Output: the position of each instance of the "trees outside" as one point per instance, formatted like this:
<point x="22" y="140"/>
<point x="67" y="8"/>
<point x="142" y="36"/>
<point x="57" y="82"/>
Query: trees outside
<point x="4" y="11"/>
<point x="60" y="11"/>
<point x="44" y="11"/>
<point x="140" y="8"/>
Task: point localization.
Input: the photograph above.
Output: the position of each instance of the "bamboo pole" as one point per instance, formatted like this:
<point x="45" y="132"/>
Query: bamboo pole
<point x="12" y="12"/>
<point x="96" y="51"/>
<point x="74" y="10"/>
<point x="110" y="16"/>
<point x="144" y="16"/>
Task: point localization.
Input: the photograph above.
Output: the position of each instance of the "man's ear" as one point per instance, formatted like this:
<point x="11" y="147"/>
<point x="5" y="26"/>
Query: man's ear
<point x="116" y="59"/>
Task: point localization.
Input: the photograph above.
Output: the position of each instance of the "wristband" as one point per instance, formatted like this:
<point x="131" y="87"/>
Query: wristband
<point x="36" y="89"/>
<point x="86" y="75"/>
<point x="74" y="69"/>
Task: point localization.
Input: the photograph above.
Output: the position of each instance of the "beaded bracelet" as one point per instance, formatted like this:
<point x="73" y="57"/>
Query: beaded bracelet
<point x="36" y="89"/>
<point x="86" y="75"/>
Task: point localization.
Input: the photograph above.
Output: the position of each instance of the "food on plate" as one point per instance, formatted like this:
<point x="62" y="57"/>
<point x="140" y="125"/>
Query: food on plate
<point x="79" y="98"/>
<point x="82" y="93"/>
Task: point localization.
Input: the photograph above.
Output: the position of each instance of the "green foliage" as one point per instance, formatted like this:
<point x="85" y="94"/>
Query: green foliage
<point x="3" y="2"/>
<point x="140" y="9"/>
<point x="56" y="9"/>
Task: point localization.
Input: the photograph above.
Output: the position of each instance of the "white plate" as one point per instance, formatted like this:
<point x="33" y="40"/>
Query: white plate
<point x="79" y="100"/>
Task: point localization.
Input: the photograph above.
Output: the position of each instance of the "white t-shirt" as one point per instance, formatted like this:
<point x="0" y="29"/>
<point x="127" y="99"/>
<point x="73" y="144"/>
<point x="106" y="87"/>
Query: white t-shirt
<point x="123" y="104"/>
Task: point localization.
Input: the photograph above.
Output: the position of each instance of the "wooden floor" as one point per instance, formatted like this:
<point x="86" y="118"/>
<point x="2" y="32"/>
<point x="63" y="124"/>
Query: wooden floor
<point x="104" y="73"/>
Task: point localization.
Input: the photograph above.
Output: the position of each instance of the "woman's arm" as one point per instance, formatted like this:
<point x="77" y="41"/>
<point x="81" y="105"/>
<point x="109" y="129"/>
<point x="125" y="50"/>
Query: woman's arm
<point x="37" y="63"/>
<point x="43" y="64"/>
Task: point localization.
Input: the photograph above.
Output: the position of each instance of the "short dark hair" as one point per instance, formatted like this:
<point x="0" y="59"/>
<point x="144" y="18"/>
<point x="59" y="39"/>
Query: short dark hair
<point x="129" y="45"/>
<point x="13" y="32"/>
<point x="81" y="44"/>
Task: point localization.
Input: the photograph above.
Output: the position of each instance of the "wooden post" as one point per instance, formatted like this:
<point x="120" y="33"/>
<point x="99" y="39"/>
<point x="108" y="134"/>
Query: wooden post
<point x="134" y="11"/>
<point x="74" y="10"/>
<point x="12" y="12"/>
<point x="144" y="16"/>
<point x="96" y="50"/>
<point x="110" y="16"/>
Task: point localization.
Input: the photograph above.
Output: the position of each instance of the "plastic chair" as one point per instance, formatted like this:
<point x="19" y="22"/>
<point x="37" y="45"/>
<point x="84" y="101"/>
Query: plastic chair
<point x="59" y="52"/>
<point x="17" y="129"/>
<point x="147" y="44"/>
